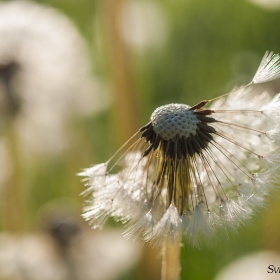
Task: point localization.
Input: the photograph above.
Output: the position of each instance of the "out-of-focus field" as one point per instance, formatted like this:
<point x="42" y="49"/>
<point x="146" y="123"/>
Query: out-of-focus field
<point x="77" y="78"/>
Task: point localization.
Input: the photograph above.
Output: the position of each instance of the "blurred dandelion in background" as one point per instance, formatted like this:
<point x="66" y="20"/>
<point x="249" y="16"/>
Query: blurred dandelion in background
<point x="193" y="170"/>
<point x="44" y="75"/>
<point x="267" y="4"/>
<point x="257" y="265"/>
<point x="143" y="24"/>
<point x="64" y="249"/>
<point x="45" y="81"/>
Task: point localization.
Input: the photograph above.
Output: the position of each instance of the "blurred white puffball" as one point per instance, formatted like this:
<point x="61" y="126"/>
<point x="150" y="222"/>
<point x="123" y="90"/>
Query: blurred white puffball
<point x="255" y="266"/>
<point x="95" y="256"/>
<point x="51" y="81"/>
<point x="143" y="24"/>
<point x="267" y="4"/>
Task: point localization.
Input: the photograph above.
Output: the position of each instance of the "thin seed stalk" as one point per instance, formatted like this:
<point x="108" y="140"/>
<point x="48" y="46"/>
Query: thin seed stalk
<point x="171" y="266"/>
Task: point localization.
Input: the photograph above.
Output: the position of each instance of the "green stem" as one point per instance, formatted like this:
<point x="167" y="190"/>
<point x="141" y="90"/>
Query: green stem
<point x="170" y="269"/>
<point x="121" y="69"/>
<point x="14" y="210"/>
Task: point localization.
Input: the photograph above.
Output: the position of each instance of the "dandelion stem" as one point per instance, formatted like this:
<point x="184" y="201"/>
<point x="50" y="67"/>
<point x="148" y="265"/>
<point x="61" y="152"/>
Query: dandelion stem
<point x="121" y="70"/>
<point x="170" y="269"/>
<point x="14" y="218"/>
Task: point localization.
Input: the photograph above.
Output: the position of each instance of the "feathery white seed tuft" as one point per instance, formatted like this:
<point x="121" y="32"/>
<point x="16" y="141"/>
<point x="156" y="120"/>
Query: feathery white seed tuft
<point x="233" y="212"/>
<point x="140" y="227"/>
<point x="169" y="225"/>
<point x="199" y="227"/>
<point x="269" y="68"/>
<point x="95" y="177"/>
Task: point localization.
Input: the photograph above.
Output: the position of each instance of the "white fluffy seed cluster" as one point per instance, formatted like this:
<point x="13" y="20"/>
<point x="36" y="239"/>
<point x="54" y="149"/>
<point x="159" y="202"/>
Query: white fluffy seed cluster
<point x="172" y="119"/>
<point x="214" y="190"/>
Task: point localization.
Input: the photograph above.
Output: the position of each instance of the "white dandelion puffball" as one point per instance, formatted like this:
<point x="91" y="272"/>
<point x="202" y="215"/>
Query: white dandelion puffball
<point x="44" y="74"/>
<point x="143" y="24"/>
<point x="94" y="256"/>
<point x="262" y="265"/>
<point x="193" y="169"/>
<point x="267" y="4"/>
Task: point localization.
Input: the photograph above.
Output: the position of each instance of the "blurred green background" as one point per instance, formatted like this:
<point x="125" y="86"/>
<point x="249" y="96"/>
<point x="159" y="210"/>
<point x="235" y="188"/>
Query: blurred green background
<point x="143" y="54"/>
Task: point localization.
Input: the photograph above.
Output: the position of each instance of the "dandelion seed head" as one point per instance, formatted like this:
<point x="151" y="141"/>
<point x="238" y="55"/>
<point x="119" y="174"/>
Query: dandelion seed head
<point x="174" y="119"/>
<point x="193" y="170"/>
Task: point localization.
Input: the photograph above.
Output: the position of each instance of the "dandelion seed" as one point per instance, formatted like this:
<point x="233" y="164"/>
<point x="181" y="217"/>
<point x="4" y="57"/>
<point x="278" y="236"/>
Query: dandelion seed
<point x="268" y="69"/>
<point x="193" y="170"/>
